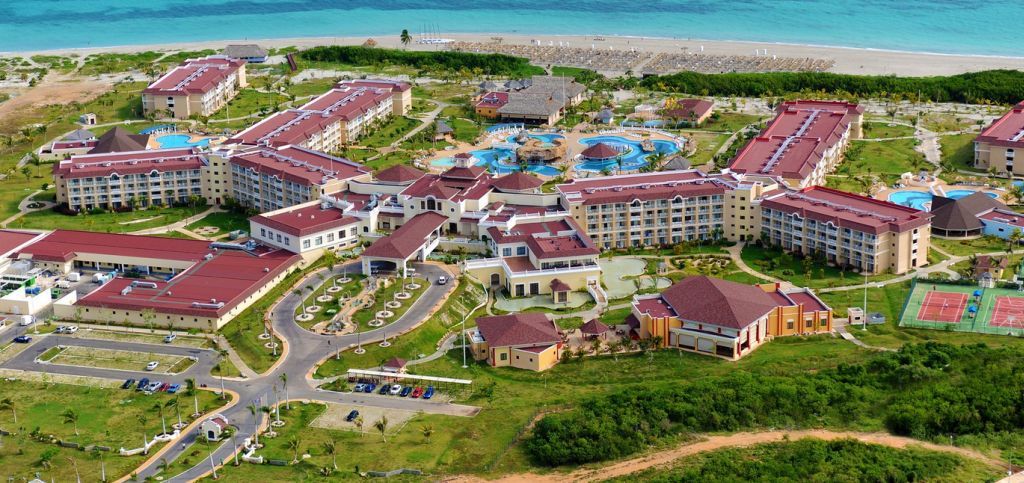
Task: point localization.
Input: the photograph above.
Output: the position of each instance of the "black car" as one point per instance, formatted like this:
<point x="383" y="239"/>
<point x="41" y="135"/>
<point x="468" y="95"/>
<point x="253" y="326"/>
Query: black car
<point x="142" y="384"/>
<point x="352" y="415"/>
<point x="127" y="383"/>
<point x="384" y="388"/>
<point x="23" y="339"/>
<point x="405" y="391"/>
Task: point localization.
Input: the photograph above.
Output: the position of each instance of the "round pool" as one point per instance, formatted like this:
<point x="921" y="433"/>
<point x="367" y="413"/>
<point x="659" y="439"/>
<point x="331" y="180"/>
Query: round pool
<point x="921" y="200"/>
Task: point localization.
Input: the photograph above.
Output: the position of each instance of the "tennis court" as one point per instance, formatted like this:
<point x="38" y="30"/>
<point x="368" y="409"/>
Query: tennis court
<point x="964" y="308"/>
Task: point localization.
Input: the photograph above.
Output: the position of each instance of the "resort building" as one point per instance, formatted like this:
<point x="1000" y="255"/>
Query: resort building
<point x="543" y="102"/>
<point x="847" y="229"/>
<point x="331" y="120"/>
<point x="690" y="110"/>
<point x="197" y="87"/>
<point x="726" y="319"/>
<point x="187" y="284"/>
<point x="487" y="105"/>
<point x="310" y="227"/>
<point x="80" y="141"/>
<point x="973" y="215"/>
<point x="250" y="53"/>
<point x="130" y="179"/>
<point x="269" y="179"/>
<point x="120" y="140"/>
<point x="524" y="341"/>
<point x="997" y="145"/>
<point x="803" y="143"/>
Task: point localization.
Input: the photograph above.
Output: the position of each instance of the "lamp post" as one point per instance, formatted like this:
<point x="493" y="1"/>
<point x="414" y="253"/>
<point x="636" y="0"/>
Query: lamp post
<point x="864" y="323"/>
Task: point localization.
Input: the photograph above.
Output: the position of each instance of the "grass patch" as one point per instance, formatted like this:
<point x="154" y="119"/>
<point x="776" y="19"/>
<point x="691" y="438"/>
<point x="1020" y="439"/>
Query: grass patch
<point x="224" y="221"/>
<point x="884" y="159"/>
<point x="803" y="272"/>
<point x="882" y="130"/>
<point x="705" y="146"/>
<point x="110" y="222"/>
<point x="985" y="244"/>
<point x="958" y="151"/>
<point x="365" y="313"/>
<point x="249" y="101"/>
<point x="106" y="417"/>
<point x="729" y="121"/>
<point x="389" y="132"/>
<point x="388" y="160"/>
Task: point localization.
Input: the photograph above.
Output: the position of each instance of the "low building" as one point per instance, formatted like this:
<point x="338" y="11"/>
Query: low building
<point x="544" y="101"/>
<point x="308" y="227"/>
<point x="690" y="110"/>
<point x="489" y="103"/>
<point x="986" y="266"/>
<point x="973" y="215"/>
<point x="188" y="284"/>
<point x="847" y="229"/>
<point x="804" y="142"/>
<point x="78" y="142"/>
<point x="998" y="144"/>
<point x="727" y="319"/>
<point x="214" y="427"/>
<point x="197" y="87"/>
<point x="415" y="239"/>
<point x="524" y="341"/>
<point x="395" y="364"/>
<point x="251" y="53"/>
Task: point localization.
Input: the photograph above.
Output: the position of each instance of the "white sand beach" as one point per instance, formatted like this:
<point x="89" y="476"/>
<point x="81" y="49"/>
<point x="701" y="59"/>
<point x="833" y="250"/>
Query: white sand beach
<point x="847" y="60"/>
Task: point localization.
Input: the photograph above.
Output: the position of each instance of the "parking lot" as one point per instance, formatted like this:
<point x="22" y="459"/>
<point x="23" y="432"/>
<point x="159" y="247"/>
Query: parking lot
<point x="334" y="418"/>
<point x="117" y="359"/>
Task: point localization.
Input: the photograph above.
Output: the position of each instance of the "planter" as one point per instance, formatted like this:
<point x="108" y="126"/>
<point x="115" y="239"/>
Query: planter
<point x="324" y="298"/>
<point x="403" y="295"/>
<point x="312" y="309"/>
<point x="344" y="279"/>
<point x="393" y="305"/>
<point x="301" y="318"/>
<point x="334" y="289"/>
<point x="412" y="286"/>
<point x="375" y="323"/>
<point x="385" y="344"/>
<point x="385" y="314"/>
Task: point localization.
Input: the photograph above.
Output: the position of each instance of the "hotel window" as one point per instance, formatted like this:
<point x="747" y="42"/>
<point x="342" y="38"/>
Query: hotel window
<point x="504" y="356"/>
<point x="319" y="240"/>
<point x="810" y="323"/>
<point x="305" y="244"/>
<point x="520" y="251"/>
<point x="506" y="252"/>
<point x="789" y="324"/>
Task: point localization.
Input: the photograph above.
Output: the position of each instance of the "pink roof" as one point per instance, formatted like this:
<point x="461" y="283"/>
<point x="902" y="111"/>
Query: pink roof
<point x="655" y="307"/>
<point x="574" y="245"/>
<point x="299" y="165"/>
<point x="392" y="85"/>
<point x="306" y="220"/>
<point x="64" y="245"/>
<point x="810" y="302"/>
<point x="1005" y="217"/>
<point x="90" y="143"/>
<point x="522" y="231"/>
<point x="493" y="99"/>
<point x="717" y="302"/>
<point x="522" y="329"/>
<point x="796" y="140"/>
<point x="847" y="210"/>
<point x="519" y="264"/>
<point x="1007" y="131"/>
<point x="600" y="151"/>
<point x="518" y="181"/>
<point x="11" y="239"/>
<point x="195" y="76"/>
<point x="654" y="186"/>
<point x="399" y="174"/>
<point x="131" y="162"/>
<point x="407" y="238"/>
<point x="450" y="188"/>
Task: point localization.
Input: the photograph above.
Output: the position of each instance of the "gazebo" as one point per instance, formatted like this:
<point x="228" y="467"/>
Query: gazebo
<point x="594" y="329"/>
<point x="395" y="364"/>
<point x="601" y="151"/>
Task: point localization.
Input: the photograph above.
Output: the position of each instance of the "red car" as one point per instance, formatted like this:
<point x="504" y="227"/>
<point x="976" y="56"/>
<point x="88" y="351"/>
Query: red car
<point x="164" y="386"/>
<point x="417" y="392"/>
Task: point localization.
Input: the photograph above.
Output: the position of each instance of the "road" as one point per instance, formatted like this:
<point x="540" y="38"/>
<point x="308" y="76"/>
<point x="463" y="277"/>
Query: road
<point x="303" y="352"/>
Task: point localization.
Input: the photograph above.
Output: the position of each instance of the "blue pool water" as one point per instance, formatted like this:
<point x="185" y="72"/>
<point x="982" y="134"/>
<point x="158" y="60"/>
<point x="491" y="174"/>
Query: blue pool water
<point x="633" y="157"/>
<point x="180" y="141"/>
<point x="498" y="161"/>
<point x="919" y="199"/>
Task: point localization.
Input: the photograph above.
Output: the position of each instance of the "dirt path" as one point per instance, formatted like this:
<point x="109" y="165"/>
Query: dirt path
<point x="733" y="440"/>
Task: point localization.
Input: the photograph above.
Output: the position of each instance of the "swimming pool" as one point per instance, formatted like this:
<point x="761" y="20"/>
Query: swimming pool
<point x="633" y="157"/>
<point x="498" y="161"/>
<point x="920" y="200"/>
<point x="180" y="141"/>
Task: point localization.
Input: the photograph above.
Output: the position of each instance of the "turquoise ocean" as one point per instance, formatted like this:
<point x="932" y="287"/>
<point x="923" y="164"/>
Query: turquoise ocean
<point x="990" y="27"/>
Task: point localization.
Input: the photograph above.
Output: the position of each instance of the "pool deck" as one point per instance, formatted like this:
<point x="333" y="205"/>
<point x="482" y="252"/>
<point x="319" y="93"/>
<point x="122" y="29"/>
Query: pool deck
<point x="937" y="185"/>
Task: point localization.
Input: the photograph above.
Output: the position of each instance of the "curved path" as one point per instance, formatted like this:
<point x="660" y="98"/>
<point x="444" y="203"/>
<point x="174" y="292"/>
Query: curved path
<point x="712" y="443"/>
<point x="303" y="351"/>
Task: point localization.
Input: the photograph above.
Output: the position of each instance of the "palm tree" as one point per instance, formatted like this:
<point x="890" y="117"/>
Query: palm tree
<point x="255" y="411"/>
<point x="298" y="293"/>
<point x="293" y="444"/>
<point x="142" y="425"/>
<point x="359" y="424"/>
<point x="382" y="426"/>
<point x="406" y="40"/>
<point x="71" y="417"/>
<point x="427" y="430"/>
<point x="284" y="381"/>
<point x="177" y="408"/>
<point x="1015" y="237"/>
<point x="331" y="448"/>
<point x="163" y="422"/>
<point x="8" y="403"/>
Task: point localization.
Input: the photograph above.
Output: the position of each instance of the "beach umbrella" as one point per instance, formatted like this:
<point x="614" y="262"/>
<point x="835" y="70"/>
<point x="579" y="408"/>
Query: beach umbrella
<point x="972" y="309"/>
<point x="977" y="293"/>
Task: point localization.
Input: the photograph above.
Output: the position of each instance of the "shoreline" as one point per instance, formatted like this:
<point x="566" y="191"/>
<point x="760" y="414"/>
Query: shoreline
<point x="848" y="60"/>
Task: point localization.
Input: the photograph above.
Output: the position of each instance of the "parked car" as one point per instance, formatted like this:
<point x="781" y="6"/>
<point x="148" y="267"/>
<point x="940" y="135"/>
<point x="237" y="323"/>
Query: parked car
<point x="60" y="329"/>
<point x="26" y="320"/>
<point x="152" y="365"/>
<point x="163" y="387"/>
<point x="405" y="391"/>
<point x="128" y="383"/>
<point x="173" y="388"/>
<point x="71" y="329"/>
<point x="369" y="388"/>
<point x="395" y="389"/>
<point x="352" y="415"/>
<point x="384" y="388"/>
<point x="169" y="338"/>
<point x="153" y="386"/>
<point x="142" y="384"/>
<point x="23" y="339"/>
<point x="429" y="393"/>
<point x="358" y="387"/>
<point x="417" y="392"/>
<point x="442" y="280"/>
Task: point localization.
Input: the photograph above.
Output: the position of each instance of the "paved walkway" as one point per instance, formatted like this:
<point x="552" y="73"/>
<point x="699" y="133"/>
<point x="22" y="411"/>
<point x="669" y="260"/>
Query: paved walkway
<point x="178" y="225"/>
<point x="23" y="208"/>
<point x="734" y="254"/>
<point x="842" y="327"/>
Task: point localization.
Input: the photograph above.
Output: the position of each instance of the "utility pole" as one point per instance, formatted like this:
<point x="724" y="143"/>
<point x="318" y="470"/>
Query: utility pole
<point x="864" y="323"/>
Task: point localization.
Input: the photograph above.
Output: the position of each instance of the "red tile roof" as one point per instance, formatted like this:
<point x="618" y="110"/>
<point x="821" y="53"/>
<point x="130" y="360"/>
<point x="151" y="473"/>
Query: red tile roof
<point x="399" y="174"/>
<point x="796" y="140"/>
<point x="11" y="240"/>
<point x="655" y="307"/>
<point x="493" y="99"/>
<point x="299" y="165"/>
<point x="408" y="238"/>
<point x="559" y="286"/>
<point x="395" y="363"/>
<point x="472" y="172"/>
<point x="1004" y="216"/>
<point x="574" y="245"/>
<point x="134" y="162"/>
<point x="64" y="245"/>
<point x="847" y="210"/>
<point x="717" y="302"/>
<point x="689" y="108"/>
<point x="810" y="302"/>
<point x="653" y="186"/>
<point x="521" y="231"/>
<point x="449" y="188"/>
<point x="521" y="329"/>
<point x="306" y="220"/>
<point x="600" y="151"/>
<point x="392" y="85"/>
<point x="1007" y="131"/>
<point x="594" y="327"/>
<point x="517" y="181"/>
<point x="195" y="76"/>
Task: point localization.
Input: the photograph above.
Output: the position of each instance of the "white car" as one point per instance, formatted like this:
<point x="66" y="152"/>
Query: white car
<point x="71" y="329"/>
<point x="170" y="338"/>
<point x="442" y="280"/>
<point x="152" y="365"/>
<point x="395" y="389"/>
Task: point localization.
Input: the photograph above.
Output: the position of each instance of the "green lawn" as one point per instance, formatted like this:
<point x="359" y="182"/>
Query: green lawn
<point x="105" y="222"/>
<point x="958" y="151"/>
<point x="224" y="221"/>
<point x="729" y="121"/>
<point x="312" y="87"/>
<point x="350" y="289"/>
<point x="390" y="159"/>
<point x="705" y="146"/>
<point x="106" y="417"/>
<point x="804" y="272"/>
<point x="250" y="101"/>
<point x="389" y="132"/>
<point x="986" y="244"/>
<point x="880" y="130"/>
<point x="365" y="313"/>
<point x="885" y="159"/>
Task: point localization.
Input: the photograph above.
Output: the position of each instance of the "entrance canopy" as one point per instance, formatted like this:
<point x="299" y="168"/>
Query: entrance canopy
<point x="418" y="236"/>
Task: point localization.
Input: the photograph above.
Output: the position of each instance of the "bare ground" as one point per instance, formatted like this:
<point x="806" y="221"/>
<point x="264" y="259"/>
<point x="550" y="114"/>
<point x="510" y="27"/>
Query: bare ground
<point x="711" y="443"/>
<point x="54" y="89"/>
